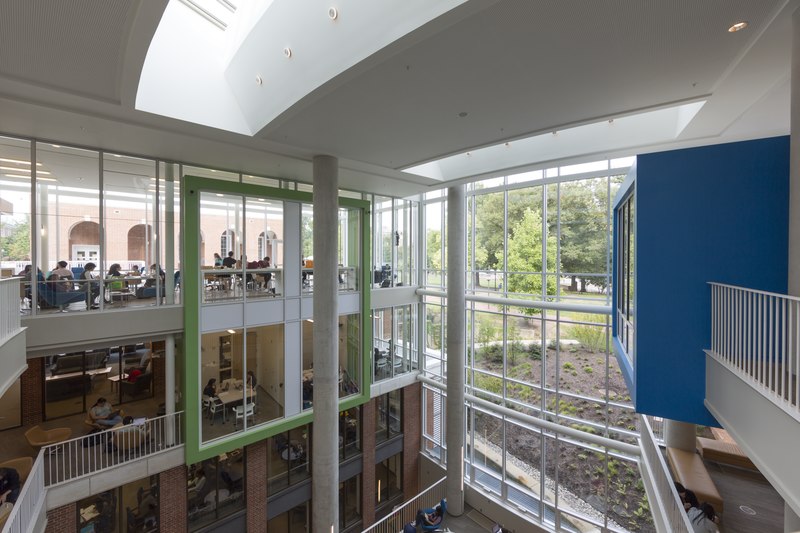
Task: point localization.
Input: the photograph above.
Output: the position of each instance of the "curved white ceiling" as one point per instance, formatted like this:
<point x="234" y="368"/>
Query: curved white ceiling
<point x="238" y="76"/>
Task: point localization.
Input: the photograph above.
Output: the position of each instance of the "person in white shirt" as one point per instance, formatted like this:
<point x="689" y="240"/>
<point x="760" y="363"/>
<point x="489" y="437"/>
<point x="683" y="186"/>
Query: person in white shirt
<point x="703" y="519"/>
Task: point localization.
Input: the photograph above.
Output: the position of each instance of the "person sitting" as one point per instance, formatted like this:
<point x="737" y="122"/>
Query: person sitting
<point x="703" y="519"/>
<point x="690" y="500"/>
<point x="229" y="262"/>
<point x="103" y="414"/>
<point x="62" y="271"/>
<point x="251" y="380"/>
<point x="55" y="283"/>
<point x="134" y="374"/>
<point x="9" y="485"/>
<point x="210" y="389"/>
<point x="92" y="287"/>
<point x="114" y="271"/>
<point x="217" y="260"/>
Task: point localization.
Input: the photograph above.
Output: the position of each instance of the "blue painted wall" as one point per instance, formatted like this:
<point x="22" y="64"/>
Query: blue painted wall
<point x="716" y="213"/>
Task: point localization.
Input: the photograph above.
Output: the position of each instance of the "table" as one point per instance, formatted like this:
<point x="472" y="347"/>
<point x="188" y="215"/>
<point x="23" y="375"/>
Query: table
<point x="231" y="396"/>
<point x="116" y="379"/>
<point x="89" y="513"/>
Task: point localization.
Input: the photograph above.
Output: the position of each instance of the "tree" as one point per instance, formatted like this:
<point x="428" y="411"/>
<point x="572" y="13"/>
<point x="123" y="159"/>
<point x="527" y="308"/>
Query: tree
<point x="307" y="233"/>
<point x="490" y="227"/>
<point x="525" y="255"/>
<point x="15" y="240"/>
<point x="433" y="249"/>
<point x="584" y="230"/>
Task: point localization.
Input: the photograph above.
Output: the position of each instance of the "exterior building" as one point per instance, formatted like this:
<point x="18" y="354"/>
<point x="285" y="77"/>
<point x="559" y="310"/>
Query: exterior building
<point x="573" y="187"/>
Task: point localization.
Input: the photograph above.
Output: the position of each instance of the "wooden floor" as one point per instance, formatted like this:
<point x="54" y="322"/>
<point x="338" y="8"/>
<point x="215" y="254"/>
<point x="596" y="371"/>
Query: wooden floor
<point x="740" y="487"/>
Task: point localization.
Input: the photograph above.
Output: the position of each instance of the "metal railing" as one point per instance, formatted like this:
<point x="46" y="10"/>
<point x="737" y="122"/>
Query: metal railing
<point x="9" y="307"/>
<point x="756" y="335"/>
<point x="30" y="502"/>
<point x="83" y="456"/>
<point x="665" y="499"/>
<point x="399" y="517"/>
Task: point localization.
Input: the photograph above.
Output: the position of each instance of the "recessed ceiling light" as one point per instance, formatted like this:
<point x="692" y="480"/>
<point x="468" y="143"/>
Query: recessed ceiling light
<point x="463" y="114"/>
<point x="46" y="179"/>
<point x="56" y="145"/>
<point x="333" y="13"/>
<point x="232" y="332"/>
<point x="220" y="195"/>
<point x="259" y="80"/>
<point x="18" y="161"/>
<point x="287" y="52"/>
<point x="737" y="27"/>
<point x="116" y="155"/>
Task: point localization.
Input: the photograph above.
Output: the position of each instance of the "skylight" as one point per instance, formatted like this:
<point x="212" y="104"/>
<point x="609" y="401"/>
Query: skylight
<point x="629" y="132"/>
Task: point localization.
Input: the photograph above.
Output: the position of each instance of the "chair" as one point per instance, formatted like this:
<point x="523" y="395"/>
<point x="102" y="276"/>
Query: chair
<point x="206" y="404"/>
<point x="440" y="510"/>
<point x="92" y="423"/>
<point x="38" y="437"/>
<point x="128" y="438"/>
<point x="22" y="465"/>
<point x="216" y="406"/>
<point x="243" y="411"/>
<point x="142" y="384"/>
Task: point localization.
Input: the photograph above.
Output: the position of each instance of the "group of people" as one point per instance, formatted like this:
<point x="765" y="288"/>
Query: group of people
<point x="230" y="262"/>
<point x="210" y="389"/>
<point x="702" y="516"/>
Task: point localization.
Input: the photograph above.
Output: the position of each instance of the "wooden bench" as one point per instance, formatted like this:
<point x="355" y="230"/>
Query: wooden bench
<point x="724" y="452"/>
<point x="688" y="469"/>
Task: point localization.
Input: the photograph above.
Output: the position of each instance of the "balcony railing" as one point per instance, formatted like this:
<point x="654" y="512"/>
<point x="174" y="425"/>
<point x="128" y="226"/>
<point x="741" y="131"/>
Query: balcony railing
<point x="96" y="452"/>
<point x="756" y="335"/>
<point x="394" y="521"/>
<point x="30" y="502"/>
<point x="661" y="490"/>
<point x="9" y="307"/>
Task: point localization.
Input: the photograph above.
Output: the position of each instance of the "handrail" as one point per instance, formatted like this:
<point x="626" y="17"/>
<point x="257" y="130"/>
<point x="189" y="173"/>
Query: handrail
<point x="394" y="521"/>
<point x="9" y="308"/>
<point x="30" y="503"/>
<point x="756" y="335"/>
<point x="605" y="442"/>
<point x="755" y="291"/>
<point x="527" y="304"/>
<point x="89" y="454"/>
<point x="673" y="517"/>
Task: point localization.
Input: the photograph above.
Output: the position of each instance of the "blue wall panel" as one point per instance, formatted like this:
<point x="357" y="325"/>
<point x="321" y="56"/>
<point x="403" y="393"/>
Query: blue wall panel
<point x="716" y="213"/>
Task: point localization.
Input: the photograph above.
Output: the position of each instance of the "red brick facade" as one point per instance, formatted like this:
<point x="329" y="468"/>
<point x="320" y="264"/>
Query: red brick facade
<point x="368" y="469"/>
<point x="32" y="393"/>
<point x="172" y="499"/>
<point x="256" y="490"/>
<point x="62" y="519"/>
<point x="412" y="425"/>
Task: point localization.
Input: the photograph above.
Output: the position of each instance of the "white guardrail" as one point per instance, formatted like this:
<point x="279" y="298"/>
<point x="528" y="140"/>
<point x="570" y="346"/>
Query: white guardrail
<point x="756" y="335"/>
<point x="30" y="503"/>
<point x="82" y="456"/>
<point x="663" y="496"/>
<point x="87" y="455"/>
<point x="9" y="308"/>
<point x="399" y="517"/>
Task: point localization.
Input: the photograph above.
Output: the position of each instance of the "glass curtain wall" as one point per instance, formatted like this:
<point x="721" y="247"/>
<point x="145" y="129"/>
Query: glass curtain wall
<point x="394" y="350"/>
<point x="394" y="247"/>
<point x="545" y="236"/>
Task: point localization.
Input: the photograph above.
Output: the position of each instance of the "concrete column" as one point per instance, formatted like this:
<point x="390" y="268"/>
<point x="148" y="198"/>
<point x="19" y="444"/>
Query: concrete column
<point x="794" y="162"/>
<point x="791" y="522"/>
<point x="325" y="456"/>
<point x="456" y="347"/>
<point x="169" y="386"/>
<point x="681" y="435"/>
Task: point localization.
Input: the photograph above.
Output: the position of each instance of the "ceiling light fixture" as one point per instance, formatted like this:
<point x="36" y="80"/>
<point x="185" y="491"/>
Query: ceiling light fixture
<point x="463" y="114"/>
<point x="737" y="27"/>
<point x="18" y="161"/>
<point x="232" y="332"/>
<point x="20" y="176"/>
<point x="333" y="13"/>
<point x="259" y="81"/>
<point x="46" y="179"/>
<point x="287" y="52"/>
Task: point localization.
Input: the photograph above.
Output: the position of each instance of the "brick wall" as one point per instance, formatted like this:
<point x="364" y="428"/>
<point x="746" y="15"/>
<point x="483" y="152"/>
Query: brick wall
<point x="256" y="479"/>
<point x="172" y="499"/>
<point x="32" y="393"/>
<point x="368" y="468"/>
<point x="412" y="426"/>
<point x="62" y="519"/>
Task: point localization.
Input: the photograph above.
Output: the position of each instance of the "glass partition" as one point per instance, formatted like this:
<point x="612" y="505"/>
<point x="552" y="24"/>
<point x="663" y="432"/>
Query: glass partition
<point x="289" y="460"/>
<point x="349" y="358"/>
<point x="68" y="223"/>
<point x="15" y="213"/>
<point x="221" y="226"/>
<point x="307" y="247"/>
<point x="216" y="488"/>
<point x="349" y="250"/>
<point x="264" y="260"/>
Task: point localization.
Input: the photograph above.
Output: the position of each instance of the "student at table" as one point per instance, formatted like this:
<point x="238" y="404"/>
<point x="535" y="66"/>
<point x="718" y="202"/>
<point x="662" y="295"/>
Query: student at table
<point x="93" y="287"/>
<point x="62" y="271"/>
<point x="229" y="262"/>
<point x="217" y="260"/>
<point x="210" y="389"/>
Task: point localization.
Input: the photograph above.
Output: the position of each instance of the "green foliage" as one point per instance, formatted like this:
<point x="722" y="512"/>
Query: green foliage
<point x="491" y="384"/>
<point x="525" y="255"/>
<point x="584" y="229"/>
<point x="433" y="249"/>
<point x="568" y="366"/>
<point x="591" y="337"/>
<point x="588" y="369"/>
<point x="15" y="240"/>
